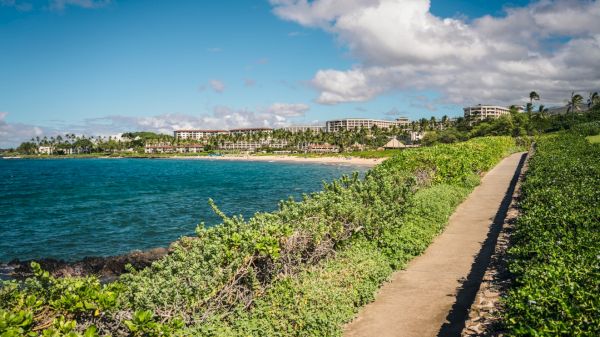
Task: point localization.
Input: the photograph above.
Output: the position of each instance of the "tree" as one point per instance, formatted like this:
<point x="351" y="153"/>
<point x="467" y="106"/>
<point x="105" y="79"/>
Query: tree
<point x="533" y="96"/>
<point x="593" y="99"/>
<point x="27" y="148"/>
<point x="574" y="103"/>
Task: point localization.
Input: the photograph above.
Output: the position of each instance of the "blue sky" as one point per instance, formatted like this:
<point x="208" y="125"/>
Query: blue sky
<point x="79" y="63"/>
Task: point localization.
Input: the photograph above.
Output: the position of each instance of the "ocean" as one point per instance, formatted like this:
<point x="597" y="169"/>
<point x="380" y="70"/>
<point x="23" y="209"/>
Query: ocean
<point x="72" y="208"/>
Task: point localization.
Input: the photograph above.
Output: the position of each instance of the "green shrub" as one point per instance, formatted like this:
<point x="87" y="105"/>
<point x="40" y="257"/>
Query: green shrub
<point x="556" y="253"/>
<point x="302" y="270"/>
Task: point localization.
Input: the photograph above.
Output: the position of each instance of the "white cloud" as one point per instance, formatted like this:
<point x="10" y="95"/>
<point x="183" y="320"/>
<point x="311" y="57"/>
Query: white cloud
<point x="288" y="110"/>
<point x="249" y="82"/>
<point x="214" y="50"/>
<point x="222" y="117"/>
<point x="60" y="5"/>
<point x="217" y="85"/>
<point x="550" y="46"/>
<point x="12" y="134"/>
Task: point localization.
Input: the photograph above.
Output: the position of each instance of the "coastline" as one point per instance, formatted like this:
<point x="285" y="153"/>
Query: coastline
<point x="355" y="161"/>
<point x="328" y="160"/>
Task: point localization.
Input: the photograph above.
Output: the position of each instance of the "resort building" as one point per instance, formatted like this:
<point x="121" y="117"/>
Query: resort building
<point x="303" y="128"/>
<point x="403" y="121"/>
<point x="322" y="148"/>
<point x="254" y="145"/>
<point x="197" y="134"/>
<point x="250" y="131"/>
<point x="45" y="150"/>
<point x="349" y="124"/>
<point x="188" y="148"/>
<point x="481" y="112"/>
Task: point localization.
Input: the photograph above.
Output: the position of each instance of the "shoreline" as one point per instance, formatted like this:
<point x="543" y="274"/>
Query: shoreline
<point x="355" y="161"/>
<point x="332" y="160"/>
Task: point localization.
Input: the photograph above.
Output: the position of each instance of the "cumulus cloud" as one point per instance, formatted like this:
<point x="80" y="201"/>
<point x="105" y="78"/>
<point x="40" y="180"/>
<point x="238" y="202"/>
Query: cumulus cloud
<point x="221" y="117"/>
<point x="288" y="110"/>
<point x="549" y="46"/>
<point x="60" y="5"/>
<point x="12" y="134"/>
<point x="217" y="86"/>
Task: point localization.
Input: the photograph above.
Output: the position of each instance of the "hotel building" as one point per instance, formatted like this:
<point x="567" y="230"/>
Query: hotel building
<point x="197" y="134"/>
<point x="303" y="128"/>
<point x="250" y="131"/>
<point x="357" y="123"/>
<point x="481" y="112"/>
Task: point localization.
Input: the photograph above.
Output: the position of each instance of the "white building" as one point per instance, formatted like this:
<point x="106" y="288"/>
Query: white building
<point x="416" y="136"/>
<point x="481" y="112"/>
<point x="403" y="121"/>
<point x="197" y="134"/>
<point x="321" y="148"/>
<point x="250" y="131"/>
<point x="303" y="128"/>
<point x="253" y="145"/>
<point x="357" y="123"/>
<point x="45" y="150"/>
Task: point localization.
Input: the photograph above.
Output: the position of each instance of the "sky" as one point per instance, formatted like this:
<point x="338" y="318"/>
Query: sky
<point x="101" y="67"/>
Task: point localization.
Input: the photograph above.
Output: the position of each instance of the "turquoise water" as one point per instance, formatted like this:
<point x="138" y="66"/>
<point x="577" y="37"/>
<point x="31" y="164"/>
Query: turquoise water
<point x="71" y="208"/>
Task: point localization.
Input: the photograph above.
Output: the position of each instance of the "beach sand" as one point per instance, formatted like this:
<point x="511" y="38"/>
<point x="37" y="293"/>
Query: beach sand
<point x="292" y="159"/>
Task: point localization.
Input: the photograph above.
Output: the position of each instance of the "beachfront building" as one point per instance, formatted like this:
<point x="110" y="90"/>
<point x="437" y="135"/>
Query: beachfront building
<point x="45" y="150"/>
<point x="197" y="134"/>
<point x="161" y="148"/>
<point x="250" y="131"/>
<point x="321" y="148"/>
<point x="481" y="112"/>
<point x="253" y="145"/>
<point x="349" y="124"/>
<point x="303" y="128"/>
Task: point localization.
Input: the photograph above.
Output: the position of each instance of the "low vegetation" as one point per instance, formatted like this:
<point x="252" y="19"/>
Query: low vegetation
<point x="556" y="253"/>
<point x="303" y="270"/>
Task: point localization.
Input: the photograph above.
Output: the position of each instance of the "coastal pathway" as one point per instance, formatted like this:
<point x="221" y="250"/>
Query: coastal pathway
<point x="432" y="296"/>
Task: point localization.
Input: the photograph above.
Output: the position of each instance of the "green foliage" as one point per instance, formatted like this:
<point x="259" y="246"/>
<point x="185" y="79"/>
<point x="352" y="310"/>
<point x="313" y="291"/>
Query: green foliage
<point x="303" y="270"/>
<point x="556" y="253"/>
<point x="52" y="305"/>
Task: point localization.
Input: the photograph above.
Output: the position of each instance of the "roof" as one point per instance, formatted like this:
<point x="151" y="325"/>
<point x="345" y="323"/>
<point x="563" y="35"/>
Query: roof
<point x="394" y="144"/>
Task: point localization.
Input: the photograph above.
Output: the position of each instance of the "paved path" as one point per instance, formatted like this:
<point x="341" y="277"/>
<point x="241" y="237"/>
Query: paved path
<point x="431" y="297"/>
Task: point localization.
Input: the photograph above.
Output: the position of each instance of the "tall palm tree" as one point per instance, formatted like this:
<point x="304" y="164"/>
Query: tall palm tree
<point x="593" y="99"/>
<point x="574" y="102"/>
<point x="533" y="96"/>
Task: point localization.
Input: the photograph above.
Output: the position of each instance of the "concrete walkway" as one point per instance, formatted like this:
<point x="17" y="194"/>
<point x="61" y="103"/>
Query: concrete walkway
<point x="432" y="296"/>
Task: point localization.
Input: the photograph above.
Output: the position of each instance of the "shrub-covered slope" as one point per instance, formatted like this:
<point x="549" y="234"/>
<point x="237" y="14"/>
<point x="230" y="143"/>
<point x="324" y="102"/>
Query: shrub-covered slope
<point x="556" y="253"/>
<point x="303" y="270"/>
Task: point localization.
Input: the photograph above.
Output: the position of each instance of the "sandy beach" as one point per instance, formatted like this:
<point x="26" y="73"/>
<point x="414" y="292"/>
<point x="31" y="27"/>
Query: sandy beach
<point x="292" y="159"/>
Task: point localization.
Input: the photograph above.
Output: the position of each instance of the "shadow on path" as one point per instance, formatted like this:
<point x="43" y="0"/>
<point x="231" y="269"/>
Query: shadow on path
<point x="455" y="321"/>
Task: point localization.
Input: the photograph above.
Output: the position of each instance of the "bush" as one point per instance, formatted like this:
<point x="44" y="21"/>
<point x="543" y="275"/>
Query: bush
<point x="305" y="269"/>
<point x="556" y="253"/>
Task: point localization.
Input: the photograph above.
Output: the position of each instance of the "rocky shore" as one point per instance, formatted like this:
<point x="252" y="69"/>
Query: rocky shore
<point x="106" y="268"/>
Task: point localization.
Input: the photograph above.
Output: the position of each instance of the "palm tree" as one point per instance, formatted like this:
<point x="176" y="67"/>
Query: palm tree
<point x="543" y="111"/>
<point x="574" y="102"/>
<point x="593" y="99"/>
<point x="533" y="96"/>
